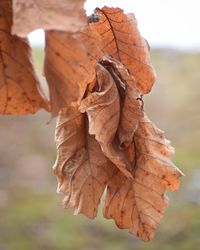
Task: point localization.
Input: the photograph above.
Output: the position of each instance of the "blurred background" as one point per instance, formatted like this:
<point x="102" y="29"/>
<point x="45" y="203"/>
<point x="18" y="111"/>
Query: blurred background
<point x="31" y="214"/>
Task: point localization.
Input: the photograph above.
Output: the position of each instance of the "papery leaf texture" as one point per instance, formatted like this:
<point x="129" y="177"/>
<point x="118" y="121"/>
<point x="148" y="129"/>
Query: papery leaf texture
<point x="122" y="40"/>
<point x="68" y="69"/>
<point x="134" y="176"/>
<point x="20" y="92"/>
<point x="103" y="109"/>
<point x="131" y="103"/>
<point x="81" y="167"/>
<point x="138" y="204"/>
<point x="47" y="14"/>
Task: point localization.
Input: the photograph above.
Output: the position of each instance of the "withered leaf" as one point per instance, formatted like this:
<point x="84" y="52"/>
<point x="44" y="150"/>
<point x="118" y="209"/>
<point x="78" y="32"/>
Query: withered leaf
<point x="131" y="107"/>
<point x="103" y="110"/>
<point x="91" y="39"/>
<point x="81" y="168"/>
<point x="49" y="15"/>
<point x="116" y="147"/>
<point x="20" y="92"/>
<point x="122" y="40"/>
<point x="68" y="69"/>
<point x="138" y="204"/>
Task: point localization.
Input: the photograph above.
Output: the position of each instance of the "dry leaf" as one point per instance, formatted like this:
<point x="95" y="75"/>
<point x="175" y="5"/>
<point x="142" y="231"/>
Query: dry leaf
<point x="20" y="92"/>
<point x="49" y="15"/>
<point x="131" y="106"/>
<point x="103" y="110"/>
<point x="92" y="42"/>
<point x="138" y="204"/>
<point x="68" y="69"/>
<point x="90" y="39"/>
<point x="81" y="167"/>
<point x="122" y="40"/>
<point x="136" y="175"/>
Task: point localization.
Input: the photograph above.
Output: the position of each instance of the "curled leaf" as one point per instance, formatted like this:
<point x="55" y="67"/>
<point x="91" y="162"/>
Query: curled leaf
<point x="47" y="14"/>
<point x="20" y="92"/>
<point x="138" y="204"/>
<point x="122" y="40"/>
<point x="131" y="106"/>
<point x="103" y="110"/>
<point x="81" y="168"/>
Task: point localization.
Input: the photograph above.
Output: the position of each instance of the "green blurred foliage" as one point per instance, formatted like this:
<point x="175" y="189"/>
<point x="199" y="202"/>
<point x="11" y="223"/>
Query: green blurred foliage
<point x="31" y="214"/>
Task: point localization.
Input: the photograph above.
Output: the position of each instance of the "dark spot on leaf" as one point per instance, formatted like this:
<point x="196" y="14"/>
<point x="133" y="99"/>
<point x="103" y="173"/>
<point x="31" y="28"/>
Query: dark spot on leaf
<point x="94" y="18"/>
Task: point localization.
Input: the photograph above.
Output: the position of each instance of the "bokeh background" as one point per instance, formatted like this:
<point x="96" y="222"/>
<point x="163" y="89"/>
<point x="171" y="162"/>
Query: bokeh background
<point x="31" y="214"/>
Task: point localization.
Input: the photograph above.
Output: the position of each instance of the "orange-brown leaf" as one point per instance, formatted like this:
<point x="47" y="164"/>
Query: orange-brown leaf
<point x="81" y="168"/>
<point x="103" y="110"/>
<point x="91" y="40"/>
<point x="68" y="69"/>
<point x="20" y="92"/>
<point x="49" y="15"/>
<point x="131" y="107"/>
<point x="122" y="40"/>
<point x="155" y="150"/>
<point x="138" y="204"/>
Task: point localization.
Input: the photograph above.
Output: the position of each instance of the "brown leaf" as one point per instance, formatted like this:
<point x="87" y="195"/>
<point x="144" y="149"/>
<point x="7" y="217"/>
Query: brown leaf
<point x="68" y="69"/>
<point x="92" y="42"/>
<point x="81" y="167"/>
<point x="49" y="15"/>
<point x="20" y="92"/>
<point x="131" y="108"/>
<point x="122" y="40"/>
<point x="138" y="204"/>
<point x="156" y="150"/>
<point x="103" y="110"/>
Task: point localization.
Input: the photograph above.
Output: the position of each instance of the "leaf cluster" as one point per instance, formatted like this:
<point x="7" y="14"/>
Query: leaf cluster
<point x="97" y="73"/>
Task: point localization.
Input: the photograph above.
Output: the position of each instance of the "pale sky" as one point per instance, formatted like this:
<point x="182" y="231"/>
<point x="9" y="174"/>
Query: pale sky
<point x="164" y="23"/>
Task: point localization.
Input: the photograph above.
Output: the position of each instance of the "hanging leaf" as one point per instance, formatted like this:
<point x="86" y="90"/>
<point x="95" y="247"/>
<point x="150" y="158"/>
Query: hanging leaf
<point x="49" y="15"/>
<point x="136" y="175"/>
<point x="91" y="41"/>
<point x="20" y="92"/>
<point x="122" y="40"/>
<point x="81" y="167"/>
<point x="138" y="204"/>
<point x="103" y="110"/>
<point x="131" y="106"/>
<point x="68" y="69"/>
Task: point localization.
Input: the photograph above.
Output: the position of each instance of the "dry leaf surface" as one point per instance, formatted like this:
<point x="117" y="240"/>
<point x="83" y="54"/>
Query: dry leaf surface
<point x="136" y="175"/>
<point x="81" y="167"/>
<point x="131" y="104"/>
<point x="122" y="40"/>
<point x="47" y="14"/>
<point x="103" y="109"/>
<point x="20" y="92"/>
<point x="68" y="69"/>
<point x="138" y="204"/>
